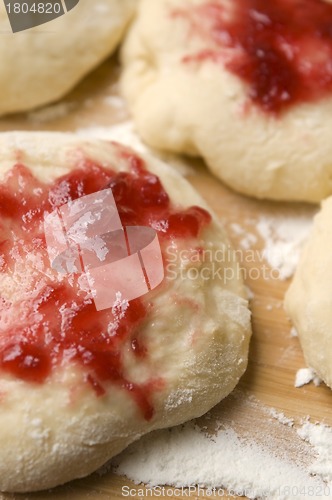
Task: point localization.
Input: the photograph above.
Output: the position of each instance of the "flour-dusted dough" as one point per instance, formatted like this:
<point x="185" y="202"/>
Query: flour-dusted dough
<point x="309" y="298"/>
<point x="199" y="109"/>
<point x="196" y="335"/>
<point x="42" y="64"/>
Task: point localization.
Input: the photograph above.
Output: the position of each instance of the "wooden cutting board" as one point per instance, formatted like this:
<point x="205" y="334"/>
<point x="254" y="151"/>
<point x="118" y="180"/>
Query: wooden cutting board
<point x="275" y="356"/>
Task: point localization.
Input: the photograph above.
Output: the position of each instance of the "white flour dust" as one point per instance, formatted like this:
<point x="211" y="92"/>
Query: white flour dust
<point x="292" y="463"/>
<point x="190" y="457"/>
<point x="305" y="376"/>
<point x="284" y="238"/>
<point x="319" y="436"/>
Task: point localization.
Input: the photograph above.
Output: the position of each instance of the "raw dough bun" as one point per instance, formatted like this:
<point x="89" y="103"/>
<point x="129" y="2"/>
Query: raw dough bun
<point x="196" y="335"/>
<point x="42" y="64"/>
<point x="197" y="109"/>
<point x="309" y="298"/>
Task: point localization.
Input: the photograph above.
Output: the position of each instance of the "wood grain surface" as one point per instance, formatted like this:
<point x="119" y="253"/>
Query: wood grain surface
<point x="275" y="356"/>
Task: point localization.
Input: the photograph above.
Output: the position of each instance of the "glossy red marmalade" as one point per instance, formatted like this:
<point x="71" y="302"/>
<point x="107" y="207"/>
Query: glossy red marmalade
<point x="40" y="331"/>
<point x="281" y="48"/>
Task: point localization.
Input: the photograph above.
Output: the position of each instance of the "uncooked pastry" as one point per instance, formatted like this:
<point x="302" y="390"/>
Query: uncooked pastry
<point x="183" y="98"/>
<point x="309" y="298"/>
<point x="66" y="407"/>
<point x="42" y="64"/>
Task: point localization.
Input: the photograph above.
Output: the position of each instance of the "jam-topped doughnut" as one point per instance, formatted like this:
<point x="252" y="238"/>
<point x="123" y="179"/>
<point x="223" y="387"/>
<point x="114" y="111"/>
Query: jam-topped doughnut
<point x="78" y="384"/>
<point x="246" y="84"/>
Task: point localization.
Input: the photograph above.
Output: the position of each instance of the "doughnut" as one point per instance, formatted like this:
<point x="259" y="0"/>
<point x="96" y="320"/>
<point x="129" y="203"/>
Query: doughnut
<point x="78" y="382"/>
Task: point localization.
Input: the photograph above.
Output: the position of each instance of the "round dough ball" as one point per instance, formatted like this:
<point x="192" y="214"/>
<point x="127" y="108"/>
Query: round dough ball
<point x="308" y="300"/>
<point x="42" y="64"/>
<point x="64" y="410"/>
<point x="184" y="98"/>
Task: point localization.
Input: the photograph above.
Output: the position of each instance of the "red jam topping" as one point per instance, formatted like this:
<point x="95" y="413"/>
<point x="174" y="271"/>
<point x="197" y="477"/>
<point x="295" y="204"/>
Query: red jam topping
<point x="282" y="49"/>
<point x="52" y="321"/>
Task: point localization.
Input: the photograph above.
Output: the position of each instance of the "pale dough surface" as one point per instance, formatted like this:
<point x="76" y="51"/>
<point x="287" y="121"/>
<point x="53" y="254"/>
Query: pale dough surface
<point x="197" y="337"/>
<point x="309" y="298"/>
<point x="200" y="109"/>
<point x="42" y="64"/>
